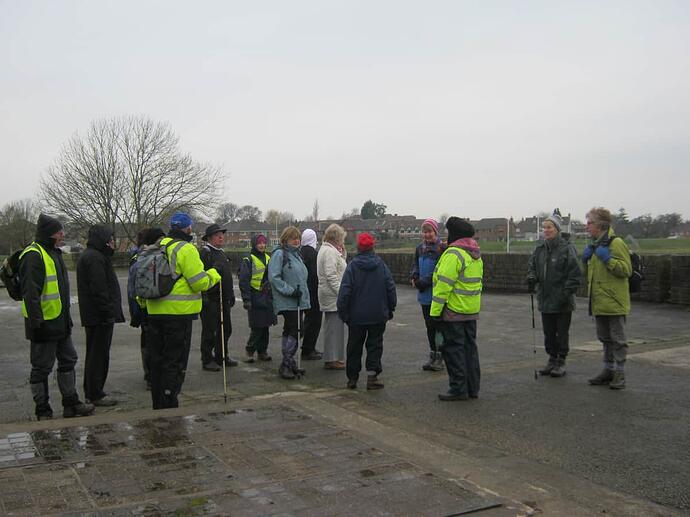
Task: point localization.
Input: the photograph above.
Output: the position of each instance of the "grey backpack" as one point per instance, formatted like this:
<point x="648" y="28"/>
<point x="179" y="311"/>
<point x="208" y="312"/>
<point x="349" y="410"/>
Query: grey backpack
<point x="155" y="277"/>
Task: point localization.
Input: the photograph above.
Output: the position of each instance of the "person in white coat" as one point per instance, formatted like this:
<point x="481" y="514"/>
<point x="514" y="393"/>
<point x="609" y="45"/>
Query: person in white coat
<point x="330" y="267"/>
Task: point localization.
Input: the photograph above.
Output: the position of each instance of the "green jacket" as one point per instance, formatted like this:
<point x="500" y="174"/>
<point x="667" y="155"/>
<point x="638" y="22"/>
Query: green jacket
<point x="555" y="267"/>
<point x="608" y="283"/>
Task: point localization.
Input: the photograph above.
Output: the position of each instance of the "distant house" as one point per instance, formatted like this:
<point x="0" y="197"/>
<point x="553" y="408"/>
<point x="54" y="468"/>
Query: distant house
<point x="493" y="229"/>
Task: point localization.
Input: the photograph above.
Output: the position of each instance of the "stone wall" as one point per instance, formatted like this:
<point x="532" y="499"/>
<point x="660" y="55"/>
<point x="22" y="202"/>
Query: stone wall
<point x="667" y="277"/>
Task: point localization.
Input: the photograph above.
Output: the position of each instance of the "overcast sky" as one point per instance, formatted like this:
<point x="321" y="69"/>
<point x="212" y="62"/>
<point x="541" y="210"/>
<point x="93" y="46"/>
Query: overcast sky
<point x="478" y="109"/>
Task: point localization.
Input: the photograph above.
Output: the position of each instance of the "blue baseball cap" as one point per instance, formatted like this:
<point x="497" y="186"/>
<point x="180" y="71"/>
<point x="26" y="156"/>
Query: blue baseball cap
<point x="180" y="220"/>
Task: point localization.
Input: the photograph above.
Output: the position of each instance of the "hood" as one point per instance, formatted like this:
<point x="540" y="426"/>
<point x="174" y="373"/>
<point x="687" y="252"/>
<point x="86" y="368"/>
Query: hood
<point x="175" y="233"/>
<point x="99" y="235"/>
<point x="309" y="238"/>
<point x="45" y="227"/>
<point x="469" y="245"/>
<point x="366" y="260"/>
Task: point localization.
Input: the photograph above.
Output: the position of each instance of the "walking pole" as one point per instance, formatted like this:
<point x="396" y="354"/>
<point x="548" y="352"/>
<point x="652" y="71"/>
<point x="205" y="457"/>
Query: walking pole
<point x="222" y="343"/>
<point x="299" y="333"/>
<point x="534" y="338"/>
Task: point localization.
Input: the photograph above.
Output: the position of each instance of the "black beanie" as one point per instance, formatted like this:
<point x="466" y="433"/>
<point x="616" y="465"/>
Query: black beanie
<point x="458" y="229"/>
<point x="47" y="226"/>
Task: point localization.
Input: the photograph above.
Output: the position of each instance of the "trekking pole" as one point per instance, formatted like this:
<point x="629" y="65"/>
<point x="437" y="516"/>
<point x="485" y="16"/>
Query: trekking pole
<point x="299" y="333"/>
<point x="534" y="338"/>
<point x="222" y="343"/>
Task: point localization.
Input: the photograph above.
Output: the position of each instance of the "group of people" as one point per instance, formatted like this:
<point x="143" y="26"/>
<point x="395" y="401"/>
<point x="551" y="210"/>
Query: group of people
<point x="309" y="287"/>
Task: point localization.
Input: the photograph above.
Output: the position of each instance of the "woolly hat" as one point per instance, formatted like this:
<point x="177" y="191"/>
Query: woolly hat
<point x="309" y="238"/>
<point x="458" y="229"/>
<point x="433" y="223"/>
<point x="365" y="242"/>
<point x="180" y="220"/>
<point x="47" y="226"/>
<point x="555" y="219"/>
<point x="260" y="238"/>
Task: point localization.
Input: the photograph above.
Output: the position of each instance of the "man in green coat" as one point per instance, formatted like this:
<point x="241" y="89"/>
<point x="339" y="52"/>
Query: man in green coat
<point x="608" y="269"/>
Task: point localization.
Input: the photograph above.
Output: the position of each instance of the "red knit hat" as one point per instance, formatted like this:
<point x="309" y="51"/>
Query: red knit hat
<point x="365" y="242"/>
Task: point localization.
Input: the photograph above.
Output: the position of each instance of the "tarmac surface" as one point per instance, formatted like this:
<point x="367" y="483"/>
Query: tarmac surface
<point x="311" y="447"/>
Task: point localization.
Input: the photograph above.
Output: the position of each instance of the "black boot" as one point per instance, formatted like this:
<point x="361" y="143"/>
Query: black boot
<point x="605" y="377"/>
<point x="39" y="392"/>
<point x="549" y="367"/>
<point x="286" y="372"/>
<point x="373" y="382"/>
<point x="559" y="369"/>
<point x="78" y="409"/>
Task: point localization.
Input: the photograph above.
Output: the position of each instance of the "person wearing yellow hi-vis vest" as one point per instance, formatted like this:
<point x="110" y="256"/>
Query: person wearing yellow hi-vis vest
<point x="45" y="293"/>
<point x="455" y="305"/>
<point x="256" y="299"/>
<point x="170" y="317"/>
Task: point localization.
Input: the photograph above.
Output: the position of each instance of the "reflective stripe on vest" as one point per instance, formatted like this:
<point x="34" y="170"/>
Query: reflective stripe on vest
<point x="51" y="304"/>
<point x="258" y="270"/>
<point x="465" y="298"/>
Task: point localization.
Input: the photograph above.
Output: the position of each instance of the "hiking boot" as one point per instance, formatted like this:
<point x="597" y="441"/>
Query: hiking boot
<point x="450" y="396"/>
<point x="249" y="357"/>
<point x="315" y="355"/>
<point x="559" y="368"/>
<point x="104" y="402"/>
<point x="285" y="372"/>
<point x="211" y="367"/>
<point x="618" y="381"/>
<point x="78" y="409"/>
<point x="427" y="366"/>
<point x="229" y="361"/>
<point x="549" y="367"/>
<point x="263" y="356"/>
<point x="373" y="382"/>
<point x="299" y="372"/>
<point x="602" y="379"/>
<point x="44" y="416"/>
<point x="352" y="384"/>
<point x="334" y="365"/>
<point x="436" y="363"/>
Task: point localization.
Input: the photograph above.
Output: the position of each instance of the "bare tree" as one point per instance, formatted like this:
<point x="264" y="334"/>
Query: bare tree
<point x="276" y="217"/>
<point x="129" y="171"/>
<point x="17" y="224"/>
<point x="249" y="213"/>
<point x="315" y="210"/>
<point x="227" y="212"/>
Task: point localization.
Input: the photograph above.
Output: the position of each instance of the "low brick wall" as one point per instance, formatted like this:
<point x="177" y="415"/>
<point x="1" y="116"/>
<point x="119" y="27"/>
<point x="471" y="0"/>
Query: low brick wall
<point x="667" y="277"/>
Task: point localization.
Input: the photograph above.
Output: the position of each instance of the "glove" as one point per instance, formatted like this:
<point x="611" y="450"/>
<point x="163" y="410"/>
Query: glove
<point x="531" y="285"/>
<point x="247" y="305"/>
<point x="421" y="284"/>
<point x="297" y="293"/>
<point x="603" y="253"/>
<point x="587" y="254"/>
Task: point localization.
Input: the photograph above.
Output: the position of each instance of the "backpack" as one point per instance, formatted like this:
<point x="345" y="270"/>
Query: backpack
<point x="9" y="274"/>
<point x="638" y="266"/>
<point x="153" y="277"/>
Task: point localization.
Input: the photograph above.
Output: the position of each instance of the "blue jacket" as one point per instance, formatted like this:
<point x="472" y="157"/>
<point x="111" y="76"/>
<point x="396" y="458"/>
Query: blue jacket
<point x="425" y="258"/>
<point x="285" y="278"/>
<point x="367" y="293"/>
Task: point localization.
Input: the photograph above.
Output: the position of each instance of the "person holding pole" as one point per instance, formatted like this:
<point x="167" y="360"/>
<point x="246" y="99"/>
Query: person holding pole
<point x="554" y="270"/>
<point x="216" y="308"/>
<point x="287" y="275"/>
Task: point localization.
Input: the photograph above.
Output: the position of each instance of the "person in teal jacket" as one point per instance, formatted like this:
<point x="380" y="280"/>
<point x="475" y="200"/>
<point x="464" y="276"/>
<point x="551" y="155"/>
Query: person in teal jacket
<point x="608" y="270"/>
<point x="287" y="275"/>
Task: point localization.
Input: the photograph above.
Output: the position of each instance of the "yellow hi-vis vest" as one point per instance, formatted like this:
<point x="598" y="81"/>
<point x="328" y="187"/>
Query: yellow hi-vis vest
<point x="258" y="270"/>
<point x="185" y="297"/>
<point x="457" y="282"/>
<point x="51" y="304"/>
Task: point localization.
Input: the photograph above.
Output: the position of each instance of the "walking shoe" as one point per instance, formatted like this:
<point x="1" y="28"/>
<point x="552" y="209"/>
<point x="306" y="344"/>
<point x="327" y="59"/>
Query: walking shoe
<point x="334" y="365"/>
<point x="249" y="357"/>
<point x="546" y="370"/>
<point x="603" y="378"/>
<point x="285" y="372"/>
<point x="263" y="356"/>
<point x="103" y="402"/>
<point x="373" y="382"/>
<point x="618" y="381"/>
<point x="352" y="384"/>
<point x="559" y="368"/>
<point x="449" y="396"/>
<point x="78" y="409"/>
<point x="427" y="366"/>
<point x="211" y="367"/>
<point x="299" y="372"/>
<point x="437" y="363"/>
<point x="312" y="356"/>
<point x="229" y="361"/>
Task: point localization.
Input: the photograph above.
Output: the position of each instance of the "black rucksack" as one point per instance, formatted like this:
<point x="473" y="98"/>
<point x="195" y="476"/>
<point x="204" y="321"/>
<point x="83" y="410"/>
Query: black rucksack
<point x="638" y="267"/>
<point x="9" y="274"/>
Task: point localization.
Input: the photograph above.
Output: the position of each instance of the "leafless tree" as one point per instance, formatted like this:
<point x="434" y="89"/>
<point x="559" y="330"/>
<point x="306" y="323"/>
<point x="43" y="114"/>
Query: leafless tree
<point x="249" y="213"/>
<point x="227" y="212"/>
<point x="17" y="224"/>
<point x="128" y="171"/>
<point x="277" y="217"/>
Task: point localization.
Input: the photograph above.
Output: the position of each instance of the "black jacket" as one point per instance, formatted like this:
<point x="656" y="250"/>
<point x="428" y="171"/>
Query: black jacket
<point x="100" y="302"/>
<point x="32" y="274"/>
<point x="309" y="258"/>
<point x="367" y="293"/>
<point x="217" y="259"/>
<point x="555" y="268"/>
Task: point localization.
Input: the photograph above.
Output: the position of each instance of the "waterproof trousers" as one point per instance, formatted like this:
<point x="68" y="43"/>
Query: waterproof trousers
<point x="359" y="337"/>
<point x="98" y="341"/>
<point x="43" y="355"/>
<point x="170" y="338"/>
<point x="430" y="327"/>
<point x="258" y="340"/>
<point x="556" y="333"/>
<point x="210" y="331"/>
<point x="311" y="326"/>
<point x="611" y="333"/>
<point x="459" y="351"/>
